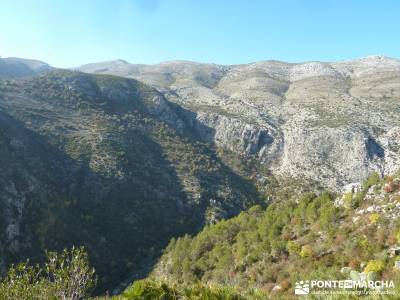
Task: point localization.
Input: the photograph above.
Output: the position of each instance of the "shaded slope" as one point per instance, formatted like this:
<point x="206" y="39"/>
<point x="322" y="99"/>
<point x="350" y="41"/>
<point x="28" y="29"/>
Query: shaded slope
<point x="105" y="162"/>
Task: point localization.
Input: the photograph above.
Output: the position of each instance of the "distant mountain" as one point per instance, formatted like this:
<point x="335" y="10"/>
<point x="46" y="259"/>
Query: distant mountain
<point x="332" y="123"/>
<point x="13" y="67"/>
<point x="161" y="75"/>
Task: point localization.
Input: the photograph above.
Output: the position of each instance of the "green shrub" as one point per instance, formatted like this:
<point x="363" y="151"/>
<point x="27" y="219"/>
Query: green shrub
<point x="293" y="248"/>
<point x="306" y="251"/>
<point x="348" y="200"/>
<point x="201" y="292"/>
<point x="150" y="290"/>
<point x="66" y="275"/>
<point x="375" y="266"/>
<point x="373" y="179"/>
<point x="374" y="218"/>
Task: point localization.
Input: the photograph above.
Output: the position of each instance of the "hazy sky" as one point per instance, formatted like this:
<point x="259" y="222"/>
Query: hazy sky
<point x="73" y="32"/>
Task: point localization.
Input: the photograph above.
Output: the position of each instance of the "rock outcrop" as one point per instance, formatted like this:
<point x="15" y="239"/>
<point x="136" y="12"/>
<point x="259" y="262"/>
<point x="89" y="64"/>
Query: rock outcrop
<point x="332" y="123"/>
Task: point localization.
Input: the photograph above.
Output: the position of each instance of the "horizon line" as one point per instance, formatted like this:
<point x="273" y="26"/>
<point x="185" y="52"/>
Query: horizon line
<point x="204" y="63"/>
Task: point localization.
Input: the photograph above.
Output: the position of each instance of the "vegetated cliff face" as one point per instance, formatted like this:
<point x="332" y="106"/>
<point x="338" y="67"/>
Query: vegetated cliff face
<point x="333" y="123"/>
<point x="106" y="162"/>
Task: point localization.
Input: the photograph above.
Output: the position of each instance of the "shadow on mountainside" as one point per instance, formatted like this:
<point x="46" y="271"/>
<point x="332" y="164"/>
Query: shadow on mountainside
<point x="52" y="201"/>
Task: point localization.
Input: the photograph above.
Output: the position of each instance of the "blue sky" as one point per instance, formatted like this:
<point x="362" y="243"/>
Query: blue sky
<point x="68" y="33"/>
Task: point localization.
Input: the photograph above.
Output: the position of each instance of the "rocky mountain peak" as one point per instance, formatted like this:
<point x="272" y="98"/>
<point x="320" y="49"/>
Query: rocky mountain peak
<point x="316" y="115"/>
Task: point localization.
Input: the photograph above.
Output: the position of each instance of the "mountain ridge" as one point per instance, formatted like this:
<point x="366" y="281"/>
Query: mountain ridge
<point x="368" y="57"/>
<point x="327" y="104"/>
<point x="14" y="67"/>
<point x="260" y="108"/>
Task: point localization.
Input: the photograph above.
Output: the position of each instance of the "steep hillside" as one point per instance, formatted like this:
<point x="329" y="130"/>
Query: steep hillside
<point x="333" y="123"/>
<point x="108" y="163"/>
<point x="264" y="250"/>
<point x="122" y="167"/>
<point x="12" y="67"/>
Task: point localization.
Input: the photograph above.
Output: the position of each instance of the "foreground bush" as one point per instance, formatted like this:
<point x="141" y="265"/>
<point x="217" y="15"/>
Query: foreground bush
<point x="66" y="275"/>
<point x="149" y="289"/>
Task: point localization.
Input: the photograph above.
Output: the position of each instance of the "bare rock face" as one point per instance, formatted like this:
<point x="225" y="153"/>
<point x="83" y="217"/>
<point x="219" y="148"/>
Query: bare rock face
<point x="234" y="134"/>
<point x="332" y="123"/>
<point x="390" y="143"/>
<point x="332" y="156"/>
